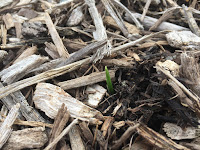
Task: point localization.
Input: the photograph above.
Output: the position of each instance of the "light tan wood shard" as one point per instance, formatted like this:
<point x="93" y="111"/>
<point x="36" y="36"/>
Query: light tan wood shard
<point x="75" y="139"/>
<point x="27" y="52"/>
<point x="76" y="16"/>
<point x="21" y="68"/>
<point x="3" y="54"/>
<point x="8" y="20"/>
<point x="177" y="133"/>
<point x="55" y="37"/>
<point x="26" y="138"/>
<point x="49" y="99"/>
<point x="5" y="129"/>
<point x="171" y="66"/>
<point x="109" y="21"/>
<point x="95" y="94"/>
<point x="183" y="39"/>
<point x="86" y="80"/>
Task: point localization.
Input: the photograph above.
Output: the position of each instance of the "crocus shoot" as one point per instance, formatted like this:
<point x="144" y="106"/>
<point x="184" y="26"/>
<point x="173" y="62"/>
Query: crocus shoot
<point x="108" y="81"/>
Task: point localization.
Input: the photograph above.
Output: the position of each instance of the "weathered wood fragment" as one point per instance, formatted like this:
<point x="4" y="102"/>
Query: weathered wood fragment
<point x="27" y="138"/>
<point x="146" y="7"/>
<point x="49" y="99"/>
<point x="175" y="132"/>
<point x="183" y="40"/>
<point x="21" y="68"/>
<point x="3" y="54"/>
<point x="60" y="121"/>
<point x="157" y="139"/>
<point x="134" y="19"/>
<point x="86" y="80"/>
<point x="165" y="16"/>
<point x="75" y="139"/>
<point x="95" y="95"/>
<point x="191" y="21"/>
<point x="109" y="21"/>
<point x="55" y="37"/>
<point x="8" y="20"/>
<point x="64" y="132"/>
<point x="149" y="22"/>
<point x="26" y="53"/>
<point x="86" y="132"/>
<point x="5" y="129"/>
<point x="76" y="16"/>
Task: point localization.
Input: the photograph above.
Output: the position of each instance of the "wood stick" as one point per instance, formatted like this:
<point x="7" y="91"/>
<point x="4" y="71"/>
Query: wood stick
<point x="86" y="80"/>
<point x="55" y="37"/>
<point x="191" y="21"/>
<point x="150" y="21"/>
<point x="75" y="137"/>
<point x="137" y="23"/>
<point x="146" y="7"/>
<point x="5" y="129"/>
<point x="63" y="133"/>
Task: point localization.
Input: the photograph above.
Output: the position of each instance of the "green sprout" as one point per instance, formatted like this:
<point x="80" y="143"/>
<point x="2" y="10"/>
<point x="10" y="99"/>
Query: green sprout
<point x="109" y="82"/>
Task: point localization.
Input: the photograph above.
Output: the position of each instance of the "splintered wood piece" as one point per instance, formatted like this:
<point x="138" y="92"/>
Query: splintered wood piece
<point x="60" y="121"/>
<point x="30" y="113"/>
<point x="123" y="62"/>
<point x="171" y="66"/>
<point x="109" y="21"/>
<point x="55" y="37"/>
<point x="95" y="95"/>
<point x="27" y="138"/>
<point x="75" y="139"/>
<point x="84" y="52"/>
<point x="177" y="133"/>
<point x="26" y="53"/>
<point x="181" y="39"/>
<point x="157" y="139"/>
<point x="5" y="3"/>
<point x="141" y="144"/>
<point x="116" y="16"/>
<point x="107" y="123"/>
<point x="100" y="32"/>
<point x="168" y="13"/>
<point x="5" y="129"/>
<point x="191" y="21"/>
<point x="7" y="101"/>
<point x="33" y="123"/>
<point x="145" y="9"/>
<point x="49" y="99"/>
<point x="76" y="16"/>
<point x="5" y="91"/>
<point x="3" y="54"/>
<point x="8" y="20"/>
<point x="4" y="35"/>
<point x="51" y="50"/>
<point x="86" y="132"/>
<point x="86" y="80"/>
<point x="64" y="132"/>
<point x="150" y="21"/>
<point x="191" y="71"/>
<point x="18" y="28"/>
<point x="134" y="19"/>
<point x="125" y="136"/>
<point x="21" y="68"/>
